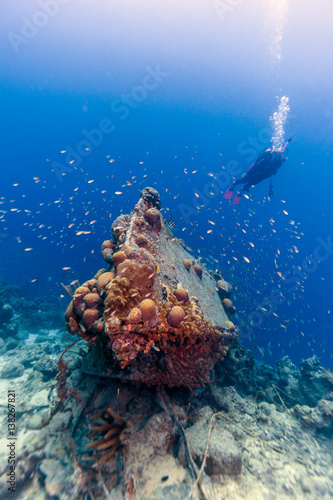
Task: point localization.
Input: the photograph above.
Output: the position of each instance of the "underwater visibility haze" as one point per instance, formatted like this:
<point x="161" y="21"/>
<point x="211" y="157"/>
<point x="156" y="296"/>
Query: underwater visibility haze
<point x="99" y="101"/>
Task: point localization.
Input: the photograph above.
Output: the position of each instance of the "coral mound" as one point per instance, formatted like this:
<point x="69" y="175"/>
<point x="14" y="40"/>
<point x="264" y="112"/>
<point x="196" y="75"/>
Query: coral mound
<point x="156" y="321"/>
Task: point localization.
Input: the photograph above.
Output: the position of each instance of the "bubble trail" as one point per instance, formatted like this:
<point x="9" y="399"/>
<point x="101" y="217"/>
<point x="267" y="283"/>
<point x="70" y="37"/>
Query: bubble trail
<point x="279" y="119"/>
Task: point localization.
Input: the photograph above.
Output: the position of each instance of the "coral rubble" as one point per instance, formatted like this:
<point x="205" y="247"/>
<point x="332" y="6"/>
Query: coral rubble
<point x="155" y="310"/>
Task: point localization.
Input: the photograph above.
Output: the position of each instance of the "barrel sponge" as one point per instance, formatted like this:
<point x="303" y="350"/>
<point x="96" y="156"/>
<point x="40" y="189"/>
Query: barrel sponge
<point x="176" y="316"/>
<point x="140" y="276"/>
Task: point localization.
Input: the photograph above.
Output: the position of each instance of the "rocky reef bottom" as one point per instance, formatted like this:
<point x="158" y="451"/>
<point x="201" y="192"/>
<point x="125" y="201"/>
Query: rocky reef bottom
<point x="270" y="430"/>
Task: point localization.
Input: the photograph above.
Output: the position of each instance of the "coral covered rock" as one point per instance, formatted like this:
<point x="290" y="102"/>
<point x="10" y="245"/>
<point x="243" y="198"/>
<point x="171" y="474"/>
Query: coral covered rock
<point x="155" y="319"/>
<point x="150" y="197"/>
<point x="224" y="455"/>
<point x="319" y="418"/>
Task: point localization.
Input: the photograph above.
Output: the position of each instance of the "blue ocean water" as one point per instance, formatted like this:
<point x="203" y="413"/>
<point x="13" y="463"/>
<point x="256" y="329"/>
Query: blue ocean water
<point x="167" y="95"/>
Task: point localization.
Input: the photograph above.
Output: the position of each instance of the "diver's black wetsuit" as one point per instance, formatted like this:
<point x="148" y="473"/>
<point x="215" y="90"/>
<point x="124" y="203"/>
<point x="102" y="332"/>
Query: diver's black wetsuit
<point x="267" y="164"/>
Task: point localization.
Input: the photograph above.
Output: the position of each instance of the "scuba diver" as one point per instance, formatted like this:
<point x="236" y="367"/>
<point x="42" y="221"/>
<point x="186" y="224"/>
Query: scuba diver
<point x="267" y="165"/>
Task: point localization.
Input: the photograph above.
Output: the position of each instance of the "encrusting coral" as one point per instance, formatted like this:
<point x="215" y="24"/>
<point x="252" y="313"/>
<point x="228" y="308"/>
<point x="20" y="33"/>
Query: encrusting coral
<point x="148" y="309"/>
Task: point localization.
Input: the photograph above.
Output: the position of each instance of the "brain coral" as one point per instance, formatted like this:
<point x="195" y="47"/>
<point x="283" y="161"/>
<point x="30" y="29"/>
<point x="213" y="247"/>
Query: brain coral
<point x="107" y="250"/>
<point x="153" y="216"/>
<point x="227" y="303"/>
<point x="187" y="264"/>
<point x="198" y="270"/>
<point x="176" y="316"/>
<point x="148" y="309"/>
<point x="181" y="294"/>
<point x="228" y="306"/>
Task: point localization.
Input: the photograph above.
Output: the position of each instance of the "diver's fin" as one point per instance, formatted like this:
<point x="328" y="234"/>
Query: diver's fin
<point x="228" y="194"/>
<point x="237" y="198"/>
